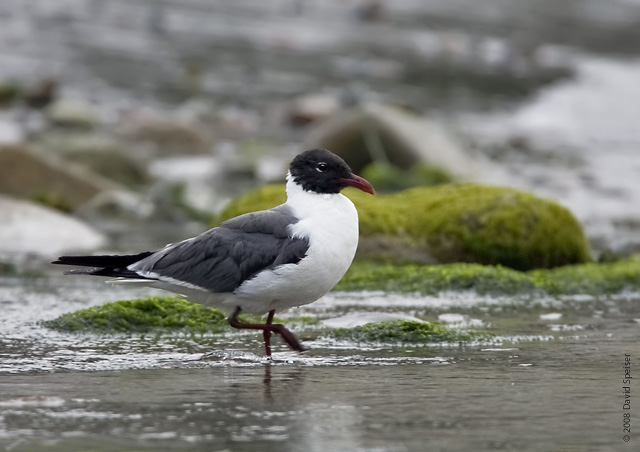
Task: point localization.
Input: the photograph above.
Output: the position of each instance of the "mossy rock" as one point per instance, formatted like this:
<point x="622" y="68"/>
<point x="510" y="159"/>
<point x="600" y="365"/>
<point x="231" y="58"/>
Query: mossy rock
<point x="406" y="332"/>
<point x="589" y="279"/>
<point x="155" y="314"/>
<point x="432" y="279"/>
<point x="142" y="315"/>
<point x="455" y="223"/>
<point x="262" y="198"/>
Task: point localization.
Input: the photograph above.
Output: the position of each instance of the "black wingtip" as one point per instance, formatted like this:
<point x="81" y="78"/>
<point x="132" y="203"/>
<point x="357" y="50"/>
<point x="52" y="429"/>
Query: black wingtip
<point x="83" y="261"/>
<point x="107" y="261"/>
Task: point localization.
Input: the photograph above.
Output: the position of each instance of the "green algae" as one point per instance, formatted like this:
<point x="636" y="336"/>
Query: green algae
<point x="432" y="279"/>
<point x="589" y="279"/>
<point x="592" y="278"/>
<point x="407" y="332"/>
<point x="454" y="223"/>
<point x="142" y="315"/>
<point x="156" y="314"/>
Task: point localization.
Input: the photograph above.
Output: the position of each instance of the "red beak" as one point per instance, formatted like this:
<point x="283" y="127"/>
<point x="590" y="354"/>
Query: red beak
<point x="359" y="183"/>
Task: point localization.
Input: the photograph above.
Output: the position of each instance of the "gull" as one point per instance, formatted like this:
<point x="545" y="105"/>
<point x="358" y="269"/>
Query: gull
<point x="260" y="262"/>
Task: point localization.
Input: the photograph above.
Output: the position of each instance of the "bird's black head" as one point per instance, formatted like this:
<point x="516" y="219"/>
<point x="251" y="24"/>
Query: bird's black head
<point x="321" y="171"/>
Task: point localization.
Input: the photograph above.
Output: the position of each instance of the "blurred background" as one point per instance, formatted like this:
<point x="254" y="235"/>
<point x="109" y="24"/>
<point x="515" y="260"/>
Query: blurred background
<point x="141" y="119"/>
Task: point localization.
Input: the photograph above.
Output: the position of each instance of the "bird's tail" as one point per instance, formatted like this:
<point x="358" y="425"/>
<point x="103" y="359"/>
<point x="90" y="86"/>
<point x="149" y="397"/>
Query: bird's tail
<point x="103" y="265"/>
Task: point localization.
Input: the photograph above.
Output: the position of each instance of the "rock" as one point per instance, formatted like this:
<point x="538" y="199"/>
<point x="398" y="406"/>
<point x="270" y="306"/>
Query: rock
<point x="28" y="228"/>
<point x="311" y="108"/>
<point x="42" y="94"/>
<point x="195" y="173"/>
<point x="115" y="206"/>
<point x="455" y="223"/>
<point x="167" y="136"/>
<point x="374" y="132"/>
<point x="477" y="223"/>
<point x="388" y="178"/>
<point x="10" y="132"/>
<point x="234" y="122"/>
<point x="72" y="113"/>
<point x="102" y="154"/>
<point x="26" y="173"/>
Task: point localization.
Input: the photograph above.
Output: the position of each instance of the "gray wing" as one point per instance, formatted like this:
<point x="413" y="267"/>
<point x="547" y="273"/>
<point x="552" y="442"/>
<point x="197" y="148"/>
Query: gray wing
<point x="222" y="258"/>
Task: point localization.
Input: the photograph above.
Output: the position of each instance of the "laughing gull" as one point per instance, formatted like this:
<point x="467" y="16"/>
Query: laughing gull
<point x="258" y="262"/>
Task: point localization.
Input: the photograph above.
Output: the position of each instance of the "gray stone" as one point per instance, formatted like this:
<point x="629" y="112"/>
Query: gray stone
<point x="72" y="113"/>
<point x="27" y="173"/>
<point x="29" y="228"/>
<point x="168" y="136"/>
<point x="102" y="154"/>
<point x="116" y="207"/>
<point x="310" y="108"/>
<point x="374" y="132"/>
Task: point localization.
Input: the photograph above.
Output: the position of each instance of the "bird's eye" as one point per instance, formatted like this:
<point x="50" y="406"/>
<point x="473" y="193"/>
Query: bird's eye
<point x="321" y="167"/>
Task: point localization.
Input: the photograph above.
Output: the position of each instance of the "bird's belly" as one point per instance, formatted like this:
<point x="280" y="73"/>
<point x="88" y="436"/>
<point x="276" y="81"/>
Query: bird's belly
<point x="288" y="286"/>
<point x="329" y="256"/>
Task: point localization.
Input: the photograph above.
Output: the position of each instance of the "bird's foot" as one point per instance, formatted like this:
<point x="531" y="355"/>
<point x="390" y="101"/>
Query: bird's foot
<point x="288" y="337"/>
<point x="267" y="329"/>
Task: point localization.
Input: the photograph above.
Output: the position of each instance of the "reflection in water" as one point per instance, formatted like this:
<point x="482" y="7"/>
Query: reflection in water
<point x="288" y="382"/>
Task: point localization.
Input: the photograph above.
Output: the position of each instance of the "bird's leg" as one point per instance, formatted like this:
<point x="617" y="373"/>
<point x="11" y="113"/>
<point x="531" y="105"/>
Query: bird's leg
<point x="267" y="329"/>
<point x="267" y="332"/>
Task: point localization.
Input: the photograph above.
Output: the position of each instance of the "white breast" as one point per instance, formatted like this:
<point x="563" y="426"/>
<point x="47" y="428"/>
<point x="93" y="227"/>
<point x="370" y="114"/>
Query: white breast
<point x="330" y="222"/>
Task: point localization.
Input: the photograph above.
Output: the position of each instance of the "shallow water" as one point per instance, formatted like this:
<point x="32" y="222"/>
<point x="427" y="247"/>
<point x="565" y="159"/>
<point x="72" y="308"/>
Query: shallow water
<point x="551" y="380"/>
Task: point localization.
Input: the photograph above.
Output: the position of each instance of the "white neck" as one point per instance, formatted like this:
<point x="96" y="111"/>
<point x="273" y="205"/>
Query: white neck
<point x="299" y="198"/>
<point x="332" y="208"/>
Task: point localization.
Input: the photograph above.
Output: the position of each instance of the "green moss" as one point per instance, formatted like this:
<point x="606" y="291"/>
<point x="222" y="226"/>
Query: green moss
<point x="456" y="223"/>
<point x="142" y="315"/>
<point x="300" y="322"/>
<point x="155" y="314"/>
<point x="260" y="199"/>
<point x="431" y="279"/>
<point x="591" y="278"/>
<point x="405" y="331"/>
<point x="483" y="224"/>
<point x="53" y="200"/>
<point x="389" y="178"/>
